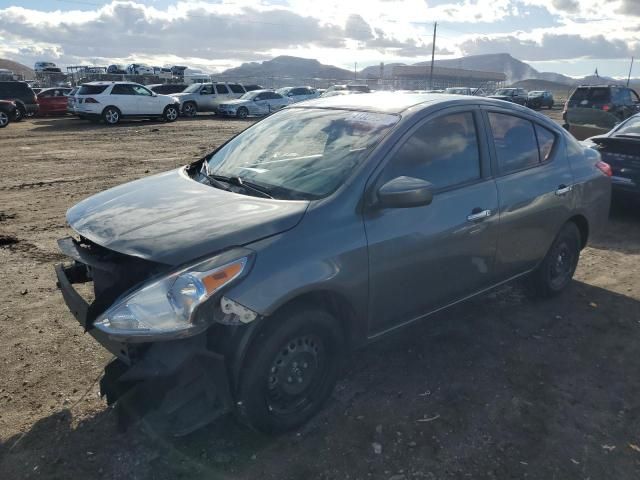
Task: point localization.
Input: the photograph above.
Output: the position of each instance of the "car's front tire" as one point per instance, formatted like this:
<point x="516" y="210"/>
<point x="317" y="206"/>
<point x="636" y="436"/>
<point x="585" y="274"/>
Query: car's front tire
<point x="20" y="114"/>
<point x="189" y="109"/>
<point x="290" y="370"/>
<point x="170" y="113"/>
<point x="4" y="119"/>
<point x="111" y="116"/>
<point x="242" y="112"/>
<point x="555" y="272"/>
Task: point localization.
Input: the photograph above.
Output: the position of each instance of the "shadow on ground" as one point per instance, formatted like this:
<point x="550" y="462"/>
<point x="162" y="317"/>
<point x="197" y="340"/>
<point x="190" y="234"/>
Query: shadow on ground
<point x="500" y="387"/>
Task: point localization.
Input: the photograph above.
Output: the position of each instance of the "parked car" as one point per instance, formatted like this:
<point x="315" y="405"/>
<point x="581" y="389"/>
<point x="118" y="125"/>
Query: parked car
<point x="41" y="66"/>
<point x="514" y="95"/>
<point x="298" y="94"/>
<point x="241" y="281"/>
<point x="540" y="99"/>
<point x="117" y="69"/>
<point x="620" y="148"/>
<point x="337" y="93"/>
<point x="357" y="88"/>
<point x="466" y="91"/>
<point x="167" y="88"/>
<point x="53" y="101"/>
<point x="112" y="101"/>
<point x="21" y="94"/>
<point x="139" y="69"/>
<point x="8" y="112"/>
<point x="71" y="100"/>
<point x="206" y="97"/>
<point x="596" y="109"/>
<point x="256" y="103"/>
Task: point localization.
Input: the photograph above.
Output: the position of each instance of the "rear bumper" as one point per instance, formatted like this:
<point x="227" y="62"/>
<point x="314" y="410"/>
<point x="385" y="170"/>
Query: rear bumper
<point x="179" y="385"/>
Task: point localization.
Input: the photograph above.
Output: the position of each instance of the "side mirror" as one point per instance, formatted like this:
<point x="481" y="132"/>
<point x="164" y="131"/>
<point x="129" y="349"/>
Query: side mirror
<point x="405" y="192"/>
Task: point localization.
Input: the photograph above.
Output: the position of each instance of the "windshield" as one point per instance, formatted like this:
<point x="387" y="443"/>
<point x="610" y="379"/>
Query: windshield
<point x="250" y="95"/>
<point x="631" y="127"/>
<point x="302" y="153"/>
<point x="192" y="88"/>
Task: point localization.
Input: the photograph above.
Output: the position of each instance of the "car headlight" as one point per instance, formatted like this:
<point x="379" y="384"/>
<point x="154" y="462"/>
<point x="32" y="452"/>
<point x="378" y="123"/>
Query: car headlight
<point x="167" y="308"/>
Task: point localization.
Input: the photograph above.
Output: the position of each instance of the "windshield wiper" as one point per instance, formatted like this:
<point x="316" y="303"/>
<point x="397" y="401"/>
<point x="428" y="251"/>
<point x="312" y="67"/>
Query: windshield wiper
<point x="239" y="182"/>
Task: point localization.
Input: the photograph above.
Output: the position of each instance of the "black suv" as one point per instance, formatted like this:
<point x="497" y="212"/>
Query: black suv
<point x="596" y="109"/>
<point x="21" y="94"/>
<point x="514" y="95"/>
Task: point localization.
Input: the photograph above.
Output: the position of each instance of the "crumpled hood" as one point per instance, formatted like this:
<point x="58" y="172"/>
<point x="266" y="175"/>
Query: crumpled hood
<point x="172" y="219"/>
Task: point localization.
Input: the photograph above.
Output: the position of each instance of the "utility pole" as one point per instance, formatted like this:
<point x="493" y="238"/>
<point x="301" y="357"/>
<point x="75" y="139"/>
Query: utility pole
<point x="630" y="68"/>
<point x="433" y="54"/>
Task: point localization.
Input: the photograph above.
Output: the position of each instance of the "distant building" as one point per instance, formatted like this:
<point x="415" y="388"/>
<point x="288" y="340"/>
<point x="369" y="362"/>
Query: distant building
<point x="416" y="77"/>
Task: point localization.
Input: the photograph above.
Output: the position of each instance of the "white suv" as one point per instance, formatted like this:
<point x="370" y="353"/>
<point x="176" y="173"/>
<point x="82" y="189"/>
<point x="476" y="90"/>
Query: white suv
<point x="111" y="101"/>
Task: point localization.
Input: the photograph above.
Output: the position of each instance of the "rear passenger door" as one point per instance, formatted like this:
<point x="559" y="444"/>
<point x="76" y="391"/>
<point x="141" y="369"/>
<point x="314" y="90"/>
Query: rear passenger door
<point x="535" y="187"/>
<point x="222" y="94"/>
<point x="423" y="258"/>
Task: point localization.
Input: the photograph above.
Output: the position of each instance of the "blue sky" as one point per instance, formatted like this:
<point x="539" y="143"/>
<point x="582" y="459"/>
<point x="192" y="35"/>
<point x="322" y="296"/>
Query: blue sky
<point x="566" y="36"/>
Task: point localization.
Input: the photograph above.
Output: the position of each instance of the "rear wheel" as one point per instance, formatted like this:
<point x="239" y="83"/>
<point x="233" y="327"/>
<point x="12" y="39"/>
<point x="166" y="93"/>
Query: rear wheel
<point x="242" y="112"/>
<point x="111" y="116"/>
<point x="189" y="109"/>
<point x="20" y="114"/>
<point x="290" y="370"/>
<point x="170" y="113"/>
<point x="557" y="269"/>
<point x="4" y="119"/>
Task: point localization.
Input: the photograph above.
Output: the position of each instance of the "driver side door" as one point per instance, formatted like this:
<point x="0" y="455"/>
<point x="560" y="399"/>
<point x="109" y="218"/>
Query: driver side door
<point x="147" y="103"/>
<point x="424" y="258"/>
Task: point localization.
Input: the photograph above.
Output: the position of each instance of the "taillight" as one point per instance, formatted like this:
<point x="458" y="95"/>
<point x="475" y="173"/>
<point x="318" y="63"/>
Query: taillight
<point x="90" y="100"/>
<point x="605" y="168"/>
<point x="606" y="107"/>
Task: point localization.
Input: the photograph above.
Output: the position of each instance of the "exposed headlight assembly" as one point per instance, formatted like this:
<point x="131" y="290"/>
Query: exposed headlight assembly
<point x="167" y="308"/>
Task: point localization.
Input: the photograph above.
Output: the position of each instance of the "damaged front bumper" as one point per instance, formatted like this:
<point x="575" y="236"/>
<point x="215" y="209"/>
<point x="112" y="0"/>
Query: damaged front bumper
<point x="178" y="385"/>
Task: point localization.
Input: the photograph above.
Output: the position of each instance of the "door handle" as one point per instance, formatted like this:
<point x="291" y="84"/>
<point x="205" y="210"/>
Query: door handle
<point x="478" y="214"/>
<point x="563" y="190"/>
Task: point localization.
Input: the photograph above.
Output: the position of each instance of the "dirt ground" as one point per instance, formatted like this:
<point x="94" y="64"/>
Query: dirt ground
<point x="500" y="387"/>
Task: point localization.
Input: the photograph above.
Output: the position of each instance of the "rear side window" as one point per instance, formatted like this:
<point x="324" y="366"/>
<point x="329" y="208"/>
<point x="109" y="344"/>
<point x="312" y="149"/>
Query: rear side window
<point x="443" y="151"/>
<point x="546" y="141"/>
<point x="15" y="89"/>
<point x="93" y="89"/>
<point x="515" y="142"/>
<point x="222" y="89"/>
<point x="235" y="88"/>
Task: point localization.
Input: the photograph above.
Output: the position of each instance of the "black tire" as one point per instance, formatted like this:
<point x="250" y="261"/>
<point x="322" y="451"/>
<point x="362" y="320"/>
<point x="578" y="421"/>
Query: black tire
<point x="20" y="114"/>
<point x="5" y="119"/>
<point x="242" y="112"/>
<point x="555" y="272"/>
<point x="111" y="116"/>
<point x="189" y="109"/>
<point x="170" y="113"/>
<point x="290" y="370"/>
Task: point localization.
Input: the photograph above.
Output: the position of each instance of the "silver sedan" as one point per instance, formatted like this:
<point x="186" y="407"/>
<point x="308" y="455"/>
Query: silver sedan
<point x="256" y="102"/>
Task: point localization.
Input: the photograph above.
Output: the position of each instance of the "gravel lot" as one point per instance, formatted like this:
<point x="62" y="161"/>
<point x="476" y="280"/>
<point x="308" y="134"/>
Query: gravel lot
<point x="500" y="387"/>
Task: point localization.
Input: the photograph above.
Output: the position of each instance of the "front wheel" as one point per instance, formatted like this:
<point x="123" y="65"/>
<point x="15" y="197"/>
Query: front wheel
<point x="4" y="119"/>
<point x="170" y="113"/>
<point x="189" y="109"/>
<point x="111" y="116"/>
<point x="555" y="272"/>
<point x="242" y="112"/>
<point x="290" y="370"/>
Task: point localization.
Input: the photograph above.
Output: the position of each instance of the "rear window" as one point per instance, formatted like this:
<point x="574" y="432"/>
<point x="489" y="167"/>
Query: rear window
<point x="92" y="89"/>
<point x="587" y="97"/>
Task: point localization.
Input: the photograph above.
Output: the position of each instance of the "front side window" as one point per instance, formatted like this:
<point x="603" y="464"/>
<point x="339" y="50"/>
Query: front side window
<point x="443" y="151"/>
<point x="206" y="90"/>
<point x="139" y="90"/>
<point x="515" y="142"/>
<point x="302" y="153"/>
